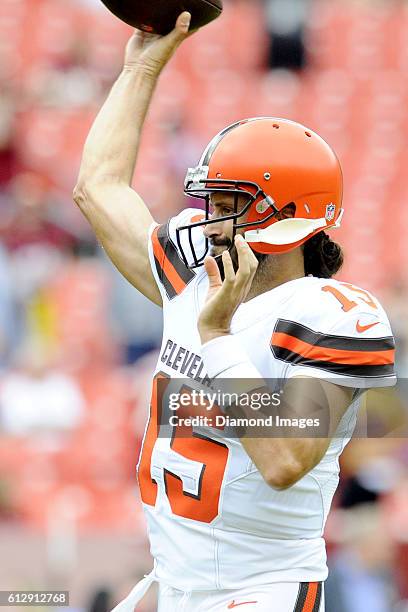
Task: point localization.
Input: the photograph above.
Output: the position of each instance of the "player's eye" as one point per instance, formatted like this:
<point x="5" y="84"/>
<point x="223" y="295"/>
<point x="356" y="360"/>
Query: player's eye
<point x="220" y="210"/>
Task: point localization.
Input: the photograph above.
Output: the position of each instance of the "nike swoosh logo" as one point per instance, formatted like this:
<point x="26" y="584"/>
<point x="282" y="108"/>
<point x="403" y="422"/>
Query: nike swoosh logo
<point x="362" y="328"/>
<point x="243" y="603"/>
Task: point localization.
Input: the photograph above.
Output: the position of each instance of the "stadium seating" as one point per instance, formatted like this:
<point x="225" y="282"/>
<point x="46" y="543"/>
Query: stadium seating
<point x="354" y="93"/>
<point x="354" y="96"/>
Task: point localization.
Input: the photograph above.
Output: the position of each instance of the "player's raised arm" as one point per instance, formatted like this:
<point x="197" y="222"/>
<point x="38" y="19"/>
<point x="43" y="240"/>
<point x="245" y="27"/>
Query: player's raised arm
<point x="118" y="215"/>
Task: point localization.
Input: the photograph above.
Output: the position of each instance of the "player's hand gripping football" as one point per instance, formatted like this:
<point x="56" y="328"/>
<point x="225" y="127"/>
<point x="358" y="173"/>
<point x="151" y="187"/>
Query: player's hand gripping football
<point x="224" y="298"/>
<point x="151" y="52"/>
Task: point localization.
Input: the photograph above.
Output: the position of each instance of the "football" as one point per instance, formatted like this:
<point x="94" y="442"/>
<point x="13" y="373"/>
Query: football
<point x="160" y="16"/>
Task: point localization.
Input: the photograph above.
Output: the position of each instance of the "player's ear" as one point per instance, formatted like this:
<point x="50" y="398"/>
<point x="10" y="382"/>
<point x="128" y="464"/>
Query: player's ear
<point x="287" y="213"/>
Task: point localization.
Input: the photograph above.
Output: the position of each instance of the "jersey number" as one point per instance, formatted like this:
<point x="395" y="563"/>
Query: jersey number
<point x="345" y="302"/>
<point x="210" y="454"/>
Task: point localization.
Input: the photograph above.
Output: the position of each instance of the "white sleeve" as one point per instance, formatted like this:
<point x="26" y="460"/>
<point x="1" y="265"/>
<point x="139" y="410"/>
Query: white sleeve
<point x="169" y="253"/>
<point x="358" y="351"/>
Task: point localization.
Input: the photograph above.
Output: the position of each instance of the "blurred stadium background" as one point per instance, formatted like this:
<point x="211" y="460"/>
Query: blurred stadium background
<point x="78" y="345"/>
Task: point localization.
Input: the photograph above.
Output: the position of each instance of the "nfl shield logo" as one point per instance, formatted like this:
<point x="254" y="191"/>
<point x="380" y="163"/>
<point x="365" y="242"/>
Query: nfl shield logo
<point x="330" y="212"/>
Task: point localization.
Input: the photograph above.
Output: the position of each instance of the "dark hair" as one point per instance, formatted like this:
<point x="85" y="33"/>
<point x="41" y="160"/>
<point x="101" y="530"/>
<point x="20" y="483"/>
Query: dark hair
<point x="323" y="256"/>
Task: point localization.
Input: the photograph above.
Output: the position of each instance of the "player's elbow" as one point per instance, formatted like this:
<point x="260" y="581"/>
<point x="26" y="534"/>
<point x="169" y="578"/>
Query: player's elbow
<point x="78" y="195"/>
<point x="85" y="193"/>
<point x="284" y="476"/>
<point x="82" y="192"/>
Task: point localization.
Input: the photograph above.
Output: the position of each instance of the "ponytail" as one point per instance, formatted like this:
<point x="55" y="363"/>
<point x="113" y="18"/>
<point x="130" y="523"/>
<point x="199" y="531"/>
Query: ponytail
<point x="323" y="256"/>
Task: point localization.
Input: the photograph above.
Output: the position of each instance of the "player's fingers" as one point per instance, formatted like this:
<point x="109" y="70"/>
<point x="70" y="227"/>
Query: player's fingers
<point x="181" y="29"/>
<point x="183" y="21"/>
<point x="163" y="49"/>
<point x="249" y="256"/>
<point x="152" y="52"/>
<point x="244" y="268"/>
<point x="253" y="262"/>
<point x="229" y="272"/>
<point x="213" y="272"/>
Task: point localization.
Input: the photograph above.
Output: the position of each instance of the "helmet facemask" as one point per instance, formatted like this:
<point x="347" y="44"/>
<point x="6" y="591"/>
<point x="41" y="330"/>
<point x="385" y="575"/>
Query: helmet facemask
<point x="204" y="188"/>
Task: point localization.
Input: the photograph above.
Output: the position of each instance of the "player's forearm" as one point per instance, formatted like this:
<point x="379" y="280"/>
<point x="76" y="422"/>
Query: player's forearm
<point x="112" y="145"/>
<point x="280" y="454"/>
<point x="284" y="461"/>
<point x="111" y="148"/>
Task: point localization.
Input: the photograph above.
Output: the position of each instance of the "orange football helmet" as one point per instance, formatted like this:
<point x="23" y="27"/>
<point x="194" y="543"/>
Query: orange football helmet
<point x="273" y="162"/>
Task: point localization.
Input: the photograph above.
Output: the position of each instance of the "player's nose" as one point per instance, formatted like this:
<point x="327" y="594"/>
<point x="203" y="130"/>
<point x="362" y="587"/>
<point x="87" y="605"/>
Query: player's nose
<point x="213" y="230"/>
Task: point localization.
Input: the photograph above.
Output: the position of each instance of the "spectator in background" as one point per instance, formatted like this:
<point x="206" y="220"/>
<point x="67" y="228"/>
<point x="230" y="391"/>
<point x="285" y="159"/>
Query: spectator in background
<point x="285" y="22"/>
<point x="31" y="222"/>
<point x="8" y="329"/>
<point x="34" y="241"/>
<point x="361" y="577"/>
<point x="36" y="245"/>
<point x="398" y="313"/>
<point x="68" y="81"/>
<point x="136" y="321"/>
<point x="8" y="151"/>
<point x="36" y="398"/>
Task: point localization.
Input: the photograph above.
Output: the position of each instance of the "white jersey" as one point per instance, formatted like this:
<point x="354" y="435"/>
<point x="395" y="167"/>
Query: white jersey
<point x="213" y="522"/>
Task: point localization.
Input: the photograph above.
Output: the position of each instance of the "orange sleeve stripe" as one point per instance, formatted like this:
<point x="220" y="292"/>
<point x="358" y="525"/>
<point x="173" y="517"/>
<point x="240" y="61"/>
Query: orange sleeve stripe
<point x="330" y="354"/>
<point x="166" y="265"/>
<point x="310" y="602"/>
<point x="197" y="218"/>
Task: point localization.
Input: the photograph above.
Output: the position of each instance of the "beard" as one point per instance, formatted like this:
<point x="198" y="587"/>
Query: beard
<point x="218" y="246"/>
<point x="216" y="252"/>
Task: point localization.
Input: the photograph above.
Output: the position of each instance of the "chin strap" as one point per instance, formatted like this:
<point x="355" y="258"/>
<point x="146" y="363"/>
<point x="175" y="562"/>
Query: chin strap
<point x="289" y="231"/>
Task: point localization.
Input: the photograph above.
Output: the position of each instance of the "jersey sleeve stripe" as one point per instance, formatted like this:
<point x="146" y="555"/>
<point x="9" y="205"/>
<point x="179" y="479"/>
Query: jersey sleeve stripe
<point x="309" y="597"/>
<point x="170" y="291"/>
<point x="345" y="356"/>
<point x="365" y="371"/>
<point x="172" y="254"/>
<point x="314" y="338"/>
<point x="318" y="599"/>
<point x="173" y="283"/>
<point x="322" y="353"/>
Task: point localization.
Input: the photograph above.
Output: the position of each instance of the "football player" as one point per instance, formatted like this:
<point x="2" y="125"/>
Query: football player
<point x="247" y="294"/>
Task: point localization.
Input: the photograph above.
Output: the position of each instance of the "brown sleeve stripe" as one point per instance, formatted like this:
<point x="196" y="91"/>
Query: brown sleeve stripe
<point x="336" y="368"/>
<point x="321" y="353"/>
<point x="172" y="254"/>
<point x="309" y="597"/>
<point x="331" y="341"/>
<point x="337" y="354"/>
<point x="171" y="270"/>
